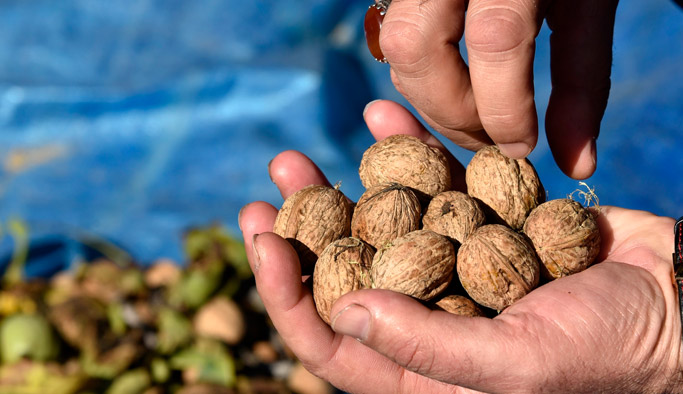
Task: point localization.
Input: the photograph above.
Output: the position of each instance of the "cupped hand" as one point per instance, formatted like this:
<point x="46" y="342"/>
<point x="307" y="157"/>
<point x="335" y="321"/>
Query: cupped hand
<point x="612" y="328"/>
<point x="491" y="97"/>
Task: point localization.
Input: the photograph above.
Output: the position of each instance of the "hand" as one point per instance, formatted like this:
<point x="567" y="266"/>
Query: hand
<point x="493" y="99"/>
<point x="612" y="328"/>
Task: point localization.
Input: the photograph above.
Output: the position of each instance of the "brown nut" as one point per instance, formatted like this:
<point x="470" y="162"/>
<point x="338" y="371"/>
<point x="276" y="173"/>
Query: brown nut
<point x="509" y="188"/>
<point x="406" y="160"/>
<point x="343" y="266"/>
<point x="312" y="218"/>
<point x="497" y="266"/>
<point x="453" y="214"/>
<point x="419" y="264"/>
<point x="565" y="236"/>
<point x="385" y="212"/>
<point x="458" y="305"/>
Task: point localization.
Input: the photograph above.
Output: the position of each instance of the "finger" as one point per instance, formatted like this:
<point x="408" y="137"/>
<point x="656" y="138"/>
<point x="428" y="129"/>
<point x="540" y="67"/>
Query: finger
<point x="581" y="61"/>
<point x="292" y="171"/>
<point x="500" y="37"/>
<point x="437" y="344"/>
<point x="337" y="358"/>
<point x="420" y="41"/>
<point x="385" y="118"/>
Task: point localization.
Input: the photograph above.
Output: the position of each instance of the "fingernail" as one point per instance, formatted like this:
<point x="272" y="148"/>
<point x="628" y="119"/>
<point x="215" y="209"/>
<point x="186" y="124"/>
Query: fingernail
<point x="587" y="154"/>
<point x="515" y="150"/>
<point x="354" y="321"/>
<point x="269" y="173"/>
<point x="239" y="219"/>
<point x="368" y="105"/>
<point x="257" y="258"/>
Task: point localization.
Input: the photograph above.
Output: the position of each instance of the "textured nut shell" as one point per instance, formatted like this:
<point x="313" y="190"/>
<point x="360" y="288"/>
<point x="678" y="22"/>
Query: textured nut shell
<point x="497" y="266"/>
<point x="385" y="212"/>
<point x="419" y="264"/>
<point x="459" y="305"/>
<point x="565" y="236"/>
<point x="343" y="266"/>
<point x="312" y="218"/>
<point x="509" y="188"/>
<point x="453" y="214"/>
<point x="406" y="160"/>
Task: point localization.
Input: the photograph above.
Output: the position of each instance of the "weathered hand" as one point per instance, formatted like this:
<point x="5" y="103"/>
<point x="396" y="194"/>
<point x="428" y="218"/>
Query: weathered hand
<point x="494" y="90"/>
<point x="612" y="328"/>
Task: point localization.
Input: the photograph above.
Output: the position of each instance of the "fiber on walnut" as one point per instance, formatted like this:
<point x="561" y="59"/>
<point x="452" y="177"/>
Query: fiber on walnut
<point x="312" y="218"/>
<point x="565" y="236"/>
<point x="419" y="264"/>
<point x="458" y="305"/>
<point x="497" y="266"/>
<point x="385" y="212"/>
<point x="509" y="188"/>
<point x="453" y="214"/>
<point x="406" y="160"/>
<point x="343" y="266"/>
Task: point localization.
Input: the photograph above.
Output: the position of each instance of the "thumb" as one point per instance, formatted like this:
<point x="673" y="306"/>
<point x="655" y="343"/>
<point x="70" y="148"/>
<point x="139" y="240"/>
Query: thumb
<point x="483" y="354"/>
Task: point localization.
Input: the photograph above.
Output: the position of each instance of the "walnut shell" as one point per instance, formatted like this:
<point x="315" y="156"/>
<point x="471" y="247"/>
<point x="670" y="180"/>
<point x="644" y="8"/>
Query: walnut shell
<point x="453" y="214"/>
<point x="406" y="160"/>
<point x="343" y="266"/>
<point x="509" y="188"/>
<point x="312" y="218"/>
<point x="565" y="236"/>
<point x="419" y="264"/>
<point x="385" y="212"/>
<point x="458" y="305"/>
<point x="497" y="266"/>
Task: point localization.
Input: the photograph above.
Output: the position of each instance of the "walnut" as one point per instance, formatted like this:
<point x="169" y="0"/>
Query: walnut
<point x="453" y="214"/>
<point x="343" y="266"/>
<point x="565" y="236"/>
<point x="384" y="212"/>
<point x="419" y="264"/>
<point x="312" y="218"/>
<point x="458" y="305"/>
<point x="497" y="266"/>
<point x="509" y="188"/>
<point x="406" y="160"/>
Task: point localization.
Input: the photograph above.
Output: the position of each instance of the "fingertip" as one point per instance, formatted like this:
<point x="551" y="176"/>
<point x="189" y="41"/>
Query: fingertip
<point x="291" y="171"/>
<point x="515" y="150"/>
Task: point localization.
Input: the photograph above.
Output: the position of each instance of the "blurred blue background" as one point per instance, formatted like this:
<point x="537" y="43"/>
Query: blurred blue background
<point x="130" y="121"/>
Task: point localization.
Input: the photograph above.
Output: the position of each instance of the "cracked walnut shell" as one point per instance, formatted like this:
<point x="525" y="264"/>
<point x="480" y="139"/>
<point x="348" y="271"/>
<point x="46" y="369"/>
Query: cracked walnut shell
<point x="497" y="266"/>
<point x="565" y="236"/>
<point x="311" y="219"/>
<point x="453" y="214"/>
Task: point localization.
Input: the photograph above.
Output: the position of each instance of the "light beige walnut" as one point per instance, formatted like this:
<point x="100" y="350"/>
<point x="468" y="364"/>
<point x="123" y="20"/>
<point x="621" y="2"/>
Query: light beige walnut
<point x="311" y="219"/>
<point x="509" y="188"/>
<point x="458" y="305"/>
<point x="406" y="160"/>
<point x="385" y="212"/>
<point x="343" y="266"/>
<point x="453" y="214"/>
<point x="497" y="266"/>
<point x="419" y="264"/>
<point x="565" y="235"/>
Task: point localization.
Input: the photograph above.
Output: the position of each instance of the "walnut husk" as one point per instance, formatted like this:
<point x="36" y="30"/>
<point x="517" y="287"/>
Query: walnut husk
<point x="406" y="160"/>
<point x="312" y="218"/>
<point x="509" y="188"/>
<point x="385" y="212"/>
<point x="497" y="266"/>
<point x="453" y="214"/>
<point x="419" y="264"/>
<point x="343" y="266"/>
<point x="565" y="236"/>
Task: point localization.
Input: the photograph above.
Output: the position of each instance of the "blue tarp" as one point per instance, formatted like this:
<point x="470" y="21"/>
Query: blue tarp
<point x="130" y="121"/>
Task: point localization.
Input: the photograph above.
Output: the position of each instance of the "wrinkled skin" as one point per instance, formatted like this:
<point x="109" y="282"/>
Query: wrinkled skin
<point x="490" y="97"/>
<point x="613" y="328"/>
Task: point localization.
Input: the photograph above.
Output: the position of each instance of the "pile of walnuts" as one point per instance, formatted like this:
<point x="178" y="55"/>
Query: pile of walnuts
<point x="410" y="233"/>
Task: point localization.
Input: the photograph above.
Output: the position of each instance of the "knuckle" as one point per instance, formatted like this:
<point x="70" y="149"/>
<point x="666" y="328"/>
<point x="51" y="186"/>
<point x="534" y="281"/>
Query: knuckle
<point x="415" y="356"/>
<point x="405" y="45"/>
<point x="498" y="30"/>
